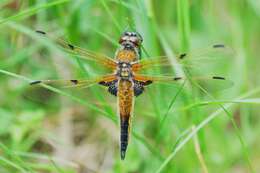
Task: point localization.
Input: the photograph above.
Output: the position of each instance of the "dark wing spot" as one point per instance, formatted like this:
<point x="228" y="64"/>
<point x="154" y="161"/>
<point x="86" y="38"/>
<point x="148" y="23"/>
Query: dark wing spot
<point x="74" y="81"/>
<point x="148" y="82"/>
<point x="219" y="46"/>
<point x="104" y="83"/>
<point x="182" y="55"/>
<point x="218" y="77"/>
<point x="112" y="89"/>
<point x="71" y="46"/>
<point x="177" y="78"/>
<point x="138" y="88"/>
<point x="112" y="86"/>
<point x="35" y="82"/>
<point x="40" y="32"/>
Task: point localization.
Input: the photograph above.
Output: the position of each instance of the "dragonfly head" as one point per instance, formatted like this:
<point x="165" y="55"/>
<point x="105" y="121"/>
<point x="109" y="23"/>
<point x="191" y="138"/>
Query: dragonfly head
<point x="131" y="40"/>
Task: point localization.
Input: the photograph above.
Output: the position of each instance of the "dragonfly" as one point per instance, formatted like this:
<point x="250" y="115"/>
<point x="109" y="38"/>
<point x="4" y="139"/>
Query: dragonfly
<point x="126" y="80"/>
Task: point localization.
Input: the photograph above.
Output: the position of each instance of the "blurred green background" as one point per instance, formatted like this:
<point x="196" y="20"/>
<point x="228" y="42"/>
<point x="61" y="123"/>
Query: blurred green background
<point x="174" y="129"/>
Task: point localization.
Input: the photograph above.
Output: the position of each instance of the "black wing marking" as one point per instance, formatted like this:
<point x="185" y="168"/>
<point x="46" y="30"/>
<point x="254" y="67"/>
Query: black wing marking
<point x="82" y="53"/>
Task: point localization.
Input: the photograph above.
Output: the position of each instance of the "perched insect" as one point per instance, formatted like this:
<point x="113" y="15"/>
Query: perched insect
<point x="126" y="81"/>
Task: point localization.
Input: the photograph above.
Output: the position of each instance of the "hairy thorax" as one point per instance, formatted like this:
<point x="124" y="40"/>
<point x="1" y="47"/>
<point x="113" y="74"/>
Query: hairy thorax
<point x="125" y="55"/>
<point x="125" y="58"/>
<point x="124" y="73"/>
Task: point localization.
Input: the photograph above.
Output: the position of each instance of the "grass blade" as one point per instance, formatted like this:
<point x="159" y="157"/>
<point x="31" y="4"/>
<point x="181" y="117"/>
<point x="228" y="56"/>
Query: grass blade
<point x="32" y="11"/>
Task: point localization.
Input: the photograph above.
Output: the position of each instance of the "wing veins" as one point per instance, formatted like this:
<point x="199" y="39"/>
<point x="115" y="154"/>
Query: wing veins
<point x="190" y="60"/>
<point x="82" y="53"/>
<point x="70" y="83"/>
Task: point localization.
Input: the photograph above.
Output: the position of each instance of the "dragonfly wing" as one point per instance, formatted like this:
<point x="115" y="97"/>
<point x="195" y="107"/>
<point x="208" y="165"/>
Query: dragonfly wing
<point x="82" y="53"/>
<point x="150" y="62"/>
<point x="192" y="60"/>
<point x="215" y="83"/>
<point x="76" y="83"/>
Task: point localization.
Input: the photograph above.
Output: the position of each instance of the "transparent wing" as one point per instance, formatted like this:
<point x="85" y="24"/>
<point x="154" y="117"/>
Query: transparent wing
<point x="78" y="83"/>
<point x="82" y="53"/>
<point x="192" y="60"/>
<point x="213" y="82"/>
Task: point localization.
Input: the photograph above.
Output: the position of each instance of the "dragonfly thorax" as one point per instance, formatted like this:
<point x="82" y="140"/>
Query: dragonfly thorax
<point x="124" y="70"/>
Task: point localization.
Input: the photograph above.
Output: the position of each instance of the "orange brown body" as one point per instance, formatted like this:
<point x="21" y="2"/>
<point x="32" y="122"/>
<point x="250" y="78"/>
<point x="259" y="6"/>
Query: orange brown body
<point x="125" y="104"/>
<point x="125" y="93"/>
<point x="127" y="84"/>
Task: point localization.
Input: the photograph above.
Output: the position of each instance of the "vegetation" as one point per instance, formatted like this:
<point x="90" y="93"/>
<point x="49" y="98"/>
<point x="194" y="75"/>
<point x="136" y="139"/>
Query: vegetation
<point x="176" y="128"/>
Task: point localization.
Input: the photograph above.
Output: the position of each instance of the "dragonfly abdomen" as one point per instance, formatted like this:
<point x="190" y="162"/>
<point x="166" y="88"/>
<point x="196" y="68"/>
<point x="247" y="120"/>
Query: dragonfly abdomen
<point x="125" y="103"/>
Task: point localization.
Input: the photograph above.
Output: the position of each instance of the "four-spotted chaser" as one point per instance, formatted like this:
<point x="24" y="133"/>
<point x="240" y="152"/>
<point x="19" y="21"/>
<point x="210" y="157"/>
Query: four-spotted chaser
<point x="126" y="80"/>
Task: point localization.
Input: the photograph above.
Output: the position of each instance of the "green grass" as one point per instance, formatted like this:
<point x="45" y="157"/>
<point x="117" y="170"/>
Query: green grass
<point x="183" y="128"/>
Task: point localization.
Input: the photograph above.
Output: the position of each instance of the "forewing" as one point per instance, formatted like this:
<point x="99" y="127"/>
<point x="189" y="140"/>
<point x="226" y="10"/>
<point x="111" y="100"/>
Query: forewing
<point x="82" y="53"/>
<point x="196" y="59"/>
